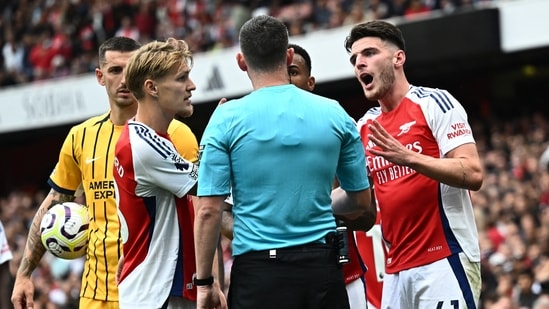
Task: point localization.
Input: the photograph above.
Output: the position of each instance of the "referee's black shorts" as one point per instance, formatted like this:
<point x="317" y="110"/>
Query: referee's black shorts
<point x="302" y="277"/>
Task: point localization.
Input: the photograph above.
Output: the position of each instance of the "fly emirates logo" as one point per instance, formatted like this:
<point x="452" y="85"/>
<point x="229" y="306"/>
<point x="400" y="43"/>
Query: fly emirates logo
<point x="386" y="171"/>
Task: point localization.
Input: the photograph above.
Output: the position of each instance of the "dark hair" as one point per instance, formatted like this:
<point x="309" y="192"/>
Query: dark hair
<point x="375" y="28"/>
<point x="118" y="43"/>
<point x="264" y="42"/>
<point x="304" y="54"/>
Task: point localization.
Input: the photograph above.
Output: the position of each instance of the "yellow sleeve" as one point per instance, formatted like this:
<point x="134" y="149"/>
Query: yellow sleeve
<point x="184" y="140"/>
<point x="66" y="176"/>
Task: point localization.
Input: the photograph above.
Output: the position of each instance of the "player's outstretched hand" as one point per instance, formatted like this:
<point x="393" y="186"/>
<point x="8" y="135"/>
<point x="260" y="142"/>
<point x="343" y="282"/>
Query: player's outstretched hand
<point x="391" y="148"/>
<point x="22" y="296"/>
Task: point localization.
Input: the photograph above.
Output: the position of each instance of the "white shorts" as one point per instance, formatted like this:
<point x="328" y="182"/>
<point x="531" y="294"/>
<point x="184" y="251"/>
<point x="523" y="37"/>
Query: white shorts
<point x="450" y="283"/>
<point x="357" y="294"/>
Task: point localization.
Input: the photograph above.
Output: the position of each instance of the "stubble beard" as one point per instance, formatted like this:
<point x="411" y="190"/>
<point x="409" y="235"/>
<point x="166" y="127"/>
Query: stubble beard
<point x="385" y="81"/>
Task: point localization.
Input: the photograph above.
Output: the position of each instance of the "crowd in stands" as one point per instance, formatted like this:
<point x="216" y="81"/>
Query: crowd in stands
<point x="43" y="39"/>
<point x="512" y="210"/>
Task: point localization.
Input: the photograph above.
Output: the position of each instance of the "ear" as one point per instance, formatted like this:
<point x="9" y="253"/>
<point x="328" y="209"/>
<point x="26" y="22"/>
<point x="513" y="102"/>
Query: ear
<point x="150" y="88"/>
<point x="289" y="56"/>
<point x="311" y="83"/>
<point x="100" y="77"/>
<point x="400" y="58"/>
<point x="241" y="62"/>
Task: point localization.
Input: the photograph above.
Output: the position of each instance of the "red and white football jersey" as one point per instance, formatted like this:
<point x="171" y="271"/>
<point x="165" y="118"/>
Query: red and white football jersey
<point x="156" y="218"/>
<point x="422" y="220"/>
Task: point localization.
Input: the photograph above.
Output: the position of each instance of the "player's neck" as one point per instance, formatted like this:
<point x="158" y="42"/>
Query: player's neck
<point x="153" y="117"/>
<point x="120" y="115"/>
<point x="394" y="96"/>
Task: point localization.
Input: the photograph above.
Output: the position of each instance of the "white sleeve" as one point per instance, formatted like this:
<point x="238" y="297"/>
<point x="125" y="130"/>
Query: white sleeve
<point x="448" y="121"/>
<point x="164" y="168"/>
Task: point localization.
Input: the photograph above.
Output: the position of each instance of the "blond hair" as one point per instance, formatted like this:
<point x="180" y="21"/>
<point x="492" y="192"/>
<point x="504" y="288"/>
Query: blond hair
<point x="154" y="61"/>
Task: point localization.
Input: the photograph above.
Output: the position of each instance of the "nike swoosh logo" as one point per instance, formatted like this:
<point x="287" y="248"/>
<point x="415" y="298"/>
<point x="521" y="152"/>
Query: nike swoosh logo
<point x="88" y="161"/>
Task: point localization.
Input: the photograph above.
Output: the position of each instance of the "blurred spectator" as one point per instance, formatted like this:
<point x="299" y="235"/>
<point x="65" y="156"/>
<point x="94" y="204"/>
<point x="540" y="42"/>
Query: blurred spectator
<point x="356" y="14"/>
<point x="128" y="29"/>
<point x="398" y="7"/>
<point x="503" y="302"/>
<point x="13" y="53"/>
<point x="322" y="14"/>
<point x="378" y="9"/>
<point x="416" y="7"/>
<point x="145" y="20"/>
<point x="525" y="292"/>
<point x="447" y="6"/>
<point x="41" y="55"/>
<point x="337" y="16"/>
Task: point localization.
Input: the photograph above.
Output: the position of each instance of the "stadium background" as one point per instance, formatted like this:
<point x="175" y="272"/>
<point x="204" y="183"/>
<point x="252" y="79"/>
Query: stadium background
<point x="493" y="56"/>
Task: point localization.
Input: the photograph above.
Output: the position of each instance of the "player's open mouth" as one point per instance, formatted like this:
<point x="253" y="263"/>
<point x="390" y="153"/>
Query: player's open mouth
<point x="366" y="78"/>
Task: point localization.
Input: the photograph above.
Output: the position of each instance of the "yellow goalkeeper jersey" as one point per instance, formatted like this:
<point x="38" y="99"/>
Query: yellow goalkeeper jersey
<point x="86" y="162"/>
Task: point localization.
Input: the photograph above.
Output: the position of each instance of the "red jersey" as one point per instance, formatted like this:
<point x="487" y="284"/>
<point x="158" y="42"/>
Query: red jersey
<point x="422" y="220"/>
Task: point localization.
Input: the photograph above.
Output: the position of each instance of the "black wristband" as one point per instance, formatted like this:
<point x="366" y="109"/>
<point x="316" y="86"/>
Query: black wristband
<point x="203" y="282"/>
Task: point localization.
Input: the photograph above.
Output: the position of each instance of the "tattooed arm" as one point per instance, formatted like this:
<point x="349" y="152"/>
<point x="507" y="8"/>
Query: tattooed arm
<point x="23" y="290"/>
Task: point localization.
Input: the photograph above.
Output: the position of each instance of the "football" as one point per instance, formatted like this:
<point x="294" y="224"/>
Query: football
<point x="64" y="230"/>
